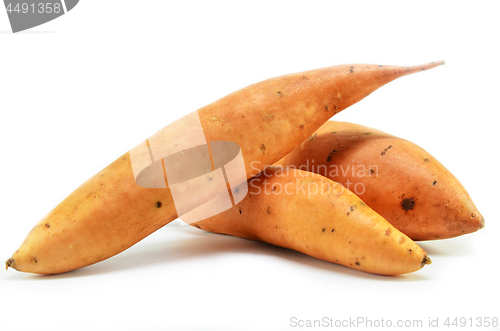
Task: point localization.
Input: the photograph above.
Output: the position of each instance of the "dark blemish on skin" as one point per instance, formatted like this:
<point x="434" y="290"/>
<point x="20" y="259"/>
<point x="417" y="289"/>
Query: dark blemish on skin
<point x="329" y="158"/>
<point x="197" y="226"/>
<point x="372" y="171"/>
<point x="351" y="70"/>
<point x="385" y="150"/>
<point x="268" y="210"/>
<point x="408" y="204"/>
<point x="332" y="230"/>
<point x="47" y="225"/>
<point x="323" y="230"/>
<point x="263" y="148"/>
<point x="327" y="108"/>
<point x="434" y="183"/>
<point x="236" y="190"/>
<point x="351" y="209"/>
<point x="269" y="117"/>
<point x="280" y="94"/>
<point x="313" y="136"/>
<point x="362" y="203"/>
<point x="336" y="107"/>
<point x="34" y="260"/>
<point x="240" y="211"/>
<point x="357" y="263"/>
<point x="426" y="160"/>
<point x="304" y="77"/>
<point x="158" y="204"/>
<point x="274" y="188"/>
<point x="302" y="126"/>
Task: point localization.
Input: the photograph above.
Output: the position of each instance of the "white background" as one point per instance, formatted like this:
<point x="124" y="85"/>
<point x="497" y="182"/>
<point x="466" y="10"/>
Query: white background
<point x="80" y="91"/>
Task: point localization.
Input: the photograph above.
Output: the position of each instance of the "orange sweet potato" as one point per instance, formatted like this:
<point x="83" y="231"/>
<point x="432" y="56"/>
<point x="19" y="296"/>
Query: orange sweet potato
<point x="311" y="214"/>
<point x="395" y="177"/>
<point x="110" y="212"/>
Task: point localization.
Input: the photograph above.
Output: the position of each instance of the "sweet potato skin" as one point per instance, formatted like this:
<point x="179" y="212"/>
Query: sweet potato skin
<point x="90" y="224"/>
<point x="398" y="179"/>
<point x="85" y="230"/>
<point x="291" y="107"/>
<point x="318" y="217"/>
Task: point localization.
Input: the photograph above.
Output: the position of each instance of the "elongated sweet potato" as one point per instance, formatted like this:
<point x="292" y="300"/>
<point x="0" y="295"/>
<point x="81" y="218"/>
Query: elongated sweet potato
<point x="395" y="177"/>
<point x="111" y="212"/>
<point x="311" y="214"/>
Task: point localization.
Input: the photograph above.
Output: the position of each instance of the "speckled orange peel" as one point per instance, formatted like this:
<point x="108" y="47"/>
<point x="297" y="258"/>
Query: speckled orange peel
<point x="314" y="215"/>
<point x="398" y="179"/>
<point x="110" y="212"/>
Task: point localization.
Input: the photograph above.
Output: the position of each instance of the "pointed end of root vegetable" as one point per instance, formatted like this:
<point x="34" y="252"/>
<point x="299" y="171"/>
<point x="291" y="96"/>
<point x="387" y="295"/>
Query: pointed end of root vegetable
<point x="481" y="223"/>
<point x="469" y="220"/>
<point x="9" y="263"/>
<point x="426" y="260"/>
<point x="423" y="67"/>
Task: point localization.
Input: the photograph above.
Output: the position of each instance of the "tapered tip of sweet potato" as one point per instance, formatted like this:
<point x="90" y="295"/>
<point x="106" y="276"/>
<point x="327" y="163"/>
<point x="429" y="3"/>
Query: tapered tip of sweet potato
<point x="9" y="263"/>
<point x="426" y="260"/>
<point x="423" y="67"/>
<point x="481" y="223"/>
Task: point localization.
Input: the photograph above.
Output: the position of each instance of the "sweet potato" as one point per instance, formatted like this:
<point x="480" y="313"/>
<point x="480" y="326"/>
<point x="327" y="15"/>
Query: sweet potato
<point x="311" y="214"/>
<point x="110" y="212"/>
<point x="398" y="179"/>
